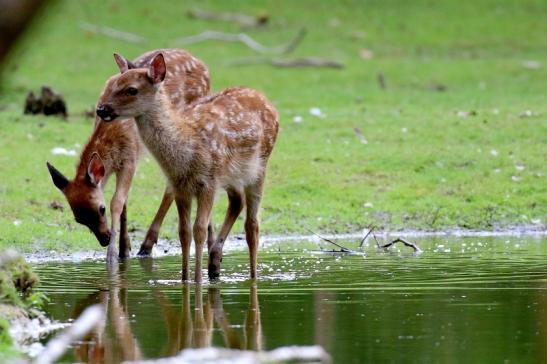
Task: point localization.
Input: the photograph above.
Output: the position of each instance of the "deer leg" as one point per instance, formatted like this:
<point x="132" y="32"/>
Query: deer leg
<point x="125" y="240"/>
<point x="253" y="195"/>
<point x="184" y="205"/>
<point x="210" y="234"/>
<point x="203" y="215"/>
<point x="236" y="201"/>
<point x="151" y="237"/>
<point x="123" y="181"/>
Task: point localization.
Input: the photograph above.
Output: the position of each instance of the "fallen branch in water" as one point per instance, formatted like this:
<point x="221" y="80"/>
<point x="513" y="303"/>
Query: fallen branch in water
<point x="244" y="39"/>
<point x="290" y="63"/>
<point x="57" y="346"/>
<point x="112" y="33"/>
<point x="370" y="230"/>
<point x="405" y="242"/>
<point x="342" y="248"/>
<point x="243" y="20"/>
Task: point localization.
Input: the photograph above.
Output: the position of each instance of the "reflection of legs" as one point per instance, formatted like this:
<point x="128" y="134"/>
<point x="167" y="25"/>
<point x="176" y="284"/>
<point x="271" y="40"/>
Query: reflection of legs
<point x="186" y="325"/>
<point x="184" y="204"/>
<point x="202" y="334"/>
<point x="231" y="339"/>
<point x="172" y="320"/>
<point x="91" y="348"/>
<point x="151" y="237"/>
<point x="253" y="195"/>
<point x="236" y="201"/>
<point x="129" y="347"/>
<point x="253" y="325"/>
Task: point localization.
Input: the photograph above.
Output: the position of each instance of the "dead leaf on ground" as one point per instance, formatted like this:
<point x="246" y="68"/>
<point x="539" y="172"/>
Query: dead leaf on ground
<point x="366" y="54"/>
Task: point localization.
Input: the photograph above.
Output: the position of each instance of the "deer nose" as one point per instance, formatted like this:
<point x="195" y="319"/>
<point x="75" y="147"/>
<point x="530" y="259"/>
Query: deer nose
<point x="105" y="112"/>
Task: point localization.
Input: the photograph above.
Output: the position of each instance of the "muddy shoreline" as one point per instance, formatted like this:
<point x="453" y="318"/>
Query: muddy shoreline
<point x="171" y="247"/>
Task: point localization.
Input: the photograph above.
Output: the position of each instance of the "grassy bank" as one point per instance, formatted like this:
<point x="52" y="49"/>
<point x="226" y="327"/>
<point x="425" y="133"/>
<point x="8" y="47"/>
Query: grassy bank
<point x="455" y="138"/>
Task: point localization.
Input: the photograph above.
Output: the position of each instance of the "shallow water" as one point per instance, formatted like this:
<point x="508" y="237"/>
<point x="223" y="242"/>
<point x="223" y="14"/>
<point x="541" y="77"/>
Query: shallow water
<point x="461" y="300"/>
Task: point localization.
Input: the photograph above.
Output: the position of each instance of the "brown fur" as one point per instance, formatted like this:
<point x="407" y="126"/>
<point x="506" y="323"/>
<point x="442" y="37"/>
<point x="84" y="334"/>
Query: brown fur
<point x="119" y="148"/>
<point x="220" y="141"/>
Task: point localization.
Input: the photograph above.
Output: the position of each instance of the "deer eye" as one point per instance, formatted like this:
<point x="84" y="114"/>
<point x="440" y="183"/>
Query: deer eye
<point x="102" y="210"/>
<point x="131" y="91"/>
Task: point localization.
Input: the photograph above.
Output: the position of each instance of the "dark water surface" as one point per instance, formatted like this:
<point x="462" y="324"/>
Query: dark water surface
<point x="472" y="300"/>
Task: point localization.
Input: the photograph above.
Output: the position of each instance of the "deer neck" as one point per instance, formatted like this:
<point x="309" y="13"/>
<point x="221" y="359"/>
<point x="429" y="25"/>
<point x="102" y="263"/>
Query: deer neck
<point x="163" y="132"/>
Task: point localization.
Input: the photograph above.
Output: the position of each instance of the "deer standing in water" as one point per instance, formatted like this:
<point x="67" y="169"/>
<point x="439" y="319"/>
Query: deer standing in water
<point x="116" y="147"/>
<point x="219" y="141"/>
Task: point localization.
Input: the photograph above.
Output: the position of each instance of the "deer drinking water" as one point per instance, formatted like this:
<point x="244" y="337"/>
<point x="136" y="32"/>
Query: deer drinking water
<point x="219" y="141"/>
<point x="116" y="147"/>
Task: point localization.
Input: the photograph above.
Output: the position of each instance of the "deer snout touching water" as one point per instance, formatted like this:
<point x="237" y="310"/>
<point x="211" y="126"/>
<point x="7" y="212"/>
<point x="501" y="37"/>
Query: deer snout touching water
<point x="115" y="148"/>
<point x="219" y="141"/>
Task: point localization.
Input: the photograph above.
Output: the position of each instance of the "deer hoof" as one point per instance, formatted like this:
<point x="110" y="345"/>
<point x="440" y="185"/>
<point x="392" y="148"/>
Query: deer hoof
<point x="144" y="251"/>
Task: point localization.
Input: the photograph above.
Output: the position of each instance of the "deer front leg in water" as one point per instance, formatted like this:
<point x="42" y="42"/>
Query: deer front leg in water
<point x="152" y="235"/>
<point x="117" y="208"/>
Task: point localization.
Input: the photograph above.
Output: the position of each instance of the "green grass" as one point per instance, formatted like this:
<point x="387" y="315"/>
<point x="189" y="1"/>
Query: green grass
<point x="441" y="173"/>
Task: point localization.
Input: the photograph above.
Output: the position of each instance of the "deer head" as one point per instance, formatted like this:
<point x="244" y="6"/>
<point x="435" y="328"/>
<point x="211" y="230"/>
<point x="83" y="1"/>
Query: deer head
<point x="85" y="197"/>
<point x="130" y="93"/>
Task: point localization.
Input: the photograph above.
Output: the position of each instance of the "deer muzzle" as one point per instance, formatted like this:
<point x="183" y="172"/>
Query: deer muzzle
<point x="106" y="112"/>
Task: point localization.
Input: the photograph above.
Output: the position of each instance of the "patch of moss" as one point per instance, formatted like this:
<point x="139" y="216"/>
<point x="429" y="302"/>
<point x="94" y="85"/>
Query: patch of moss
<point x="16" y="280"/>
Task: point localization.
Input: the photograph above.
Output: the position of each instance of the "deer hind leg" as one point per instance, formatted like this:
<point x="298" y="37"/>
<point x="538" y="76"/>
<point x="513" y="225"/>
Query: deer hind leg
<point x="151" y="237"/>
<point x="184" y="206"/>
<point x="203" y="215"/>
<point x="253" y="196"/>
<point x="236" y="201"/>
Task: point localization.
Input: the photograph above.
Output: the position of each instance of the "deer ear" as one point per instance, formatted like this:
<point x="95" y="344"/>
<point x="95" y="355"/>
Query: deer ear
<point x="59" y="180"/>
<point x="95" y="170"/>
<point x="157" y="69"/>
<point x="123" y="64"/>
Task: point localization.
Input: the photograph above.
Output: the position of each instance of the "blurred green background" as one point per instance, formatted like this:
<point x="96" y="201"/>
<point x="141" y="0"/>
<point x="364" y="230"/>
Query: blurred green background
<point x="454" y="137"/>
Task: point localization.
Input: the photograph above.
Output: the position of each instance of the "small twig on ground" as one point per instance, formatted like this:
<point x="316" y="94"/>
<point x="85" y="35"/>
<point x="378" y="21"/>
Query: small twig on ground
<point x="242" y="20"/>
<point x="360" y="135"/>
<point x="342" y="248"/>
<point x="290" y="63"/>
<point x="244" y="39"/>
<point x="381" y="80"/>
<point x="405" y="242"/>
<point x="112" y="33"/>
<point x="370" y="229"/>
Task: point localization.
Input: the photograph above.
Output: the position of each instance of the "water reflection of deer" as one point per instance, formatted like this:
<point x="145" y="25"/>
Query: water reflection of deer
<point x="113" y="340"/>
<point x="185" y="331"/>
<point x="109" y="346"/>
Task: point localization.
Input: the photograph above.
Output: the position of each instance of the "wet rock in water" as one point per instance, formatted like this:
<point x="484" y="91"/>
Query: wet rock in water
<point x="49" y="103"/>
